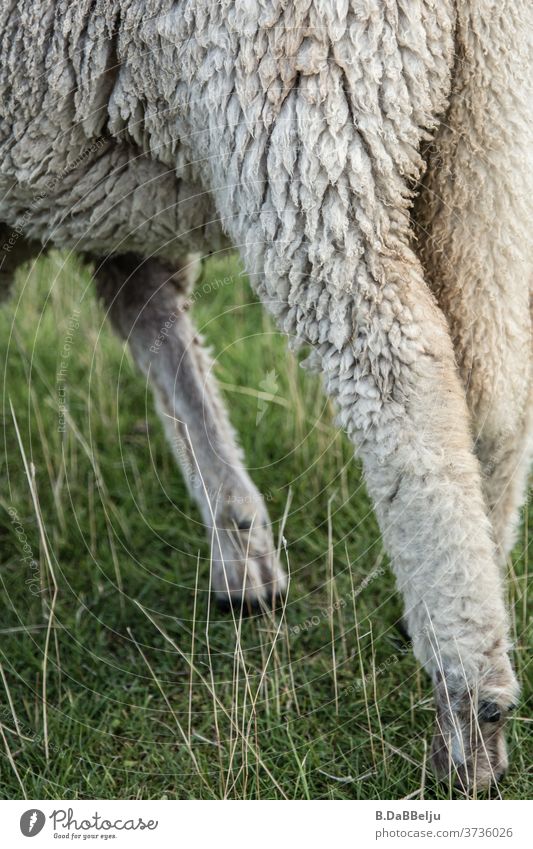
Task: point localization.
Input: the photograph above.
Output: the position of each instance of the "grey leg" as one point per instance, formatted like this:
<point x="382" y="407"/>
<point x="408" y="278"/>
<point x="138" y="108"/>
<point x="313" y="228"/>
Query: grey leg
<point x="148" y="305"/>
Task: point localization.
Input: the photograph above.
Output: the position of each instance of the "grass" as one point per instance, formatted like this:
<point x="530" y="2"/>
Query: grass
<point x="119" y="679"/>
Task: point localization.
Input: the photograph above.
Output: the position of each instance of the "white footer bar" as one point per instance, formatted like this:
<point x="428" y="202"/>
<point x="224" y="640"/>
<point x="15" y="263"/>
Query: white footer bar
<point x="267" y="824"/>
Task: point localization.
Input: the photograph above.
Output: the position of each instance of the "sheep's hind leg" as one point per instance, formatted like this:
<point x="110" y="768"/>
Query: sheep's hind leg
<point x="148" y="305"/>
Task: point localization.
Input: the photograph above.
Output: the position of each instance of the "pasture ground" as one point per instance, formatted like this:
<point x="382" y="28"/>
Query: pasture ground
<point x="136" y="685"/>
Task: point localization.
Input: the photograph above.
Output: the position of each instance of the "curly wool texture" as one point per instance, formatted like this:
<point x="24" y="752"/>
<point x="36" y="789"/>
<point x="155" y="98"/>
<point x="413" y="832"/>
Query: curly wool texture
<point x="281" y="110"/>
<point x="302" y="120"/>
<point x="295" y="130"/>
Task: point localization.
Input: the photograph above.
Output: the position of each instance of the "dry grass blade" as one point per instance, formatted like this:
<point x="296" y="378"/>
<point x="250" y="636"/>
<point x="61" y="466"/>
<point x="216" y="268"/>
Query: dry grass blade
<point x="183" y="735"/>
<point x="30" y="474"/>
<point x="12" y="762"/>
<point x="246" y="741"/>
<point x="10" y="700"/>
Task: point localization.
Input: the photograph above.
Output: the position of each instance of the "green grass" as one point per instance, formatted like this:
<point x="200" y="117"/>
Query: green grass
<point x="143" y="700"/>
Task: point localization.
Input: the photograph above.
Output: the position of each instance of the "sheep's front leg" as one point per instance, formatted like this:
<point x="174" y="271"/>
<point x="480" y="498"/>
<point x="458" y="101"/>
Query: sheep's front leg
<point x="148" y="305"/>
<point x="317" y="198"/>
<point x="402" y="401"/>
<point x="387" y="358"/>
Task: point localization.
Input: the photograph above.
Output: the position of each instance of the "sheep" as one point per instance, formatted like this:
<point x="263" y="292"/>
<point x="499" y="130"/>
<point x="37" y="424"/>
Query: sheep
<point x="368" y="161"/>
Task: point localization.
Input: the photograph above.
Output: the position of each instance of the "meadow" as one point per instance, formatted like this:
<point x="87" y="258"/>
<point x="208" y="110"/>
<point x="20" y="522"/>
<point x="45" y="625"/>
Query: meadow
<point x="120" y="677"/>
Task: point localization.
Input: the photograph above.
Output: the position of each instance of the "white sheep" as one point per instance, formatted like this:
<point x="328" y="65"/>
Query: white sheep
<point x="141" y="131"/>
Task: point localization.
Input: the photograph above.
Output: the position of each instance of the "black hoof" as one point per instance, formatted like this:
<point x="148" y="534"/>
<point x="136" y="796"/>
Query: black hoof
<point x="402" y="632"/>
<point x="235" y="604"/>
<point x="489" y="712"/>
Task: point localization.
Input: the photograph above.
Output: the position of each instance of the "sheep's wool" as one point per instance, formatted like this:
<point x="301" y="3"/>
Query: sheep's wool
<point x="294" y="128"/>
<point x="299" y="131"/>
